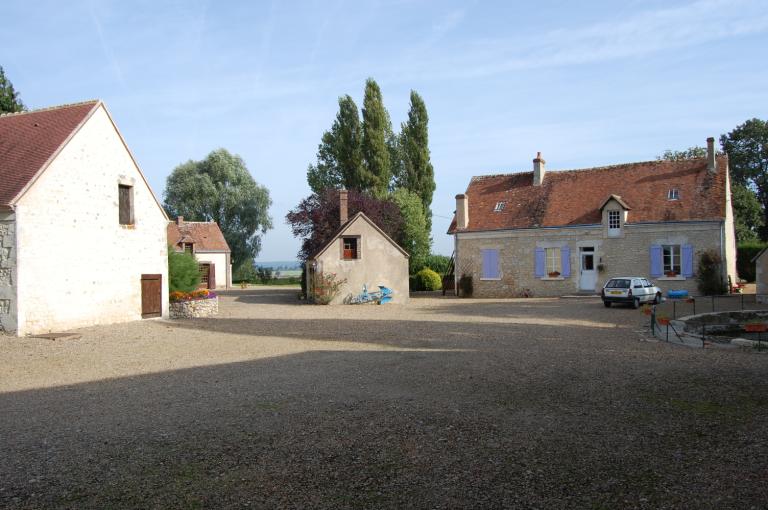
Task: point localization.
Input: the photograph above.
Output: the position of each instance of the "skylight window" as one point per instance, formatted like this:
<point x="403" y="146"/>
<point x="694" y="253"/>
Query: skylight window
<point x="499" y="206"/>
<point x="673" y="194"/>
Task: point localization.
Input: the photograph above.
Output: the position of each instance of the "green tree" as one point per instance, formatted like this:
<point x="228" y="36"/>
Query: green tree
<point x="747" y="213"/>
<point x="416" y="173"/>
<point x="415" y="234"/>
<point x="339" y="155"/>
<point x="376" y="152"/>
<point x="219" y="188"/>
<point x="9" y="98"/>
<point x="183" y="274"/>
<point x="747" y="149"/>
<point x="689" y="153"/>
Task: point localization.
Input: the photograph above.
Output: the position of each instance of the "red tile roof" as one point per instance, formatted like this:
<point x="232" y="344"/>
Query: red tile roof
<point x="574" y="197"/>
<point x="28" y="140"/>
<point x="206" y="235"/>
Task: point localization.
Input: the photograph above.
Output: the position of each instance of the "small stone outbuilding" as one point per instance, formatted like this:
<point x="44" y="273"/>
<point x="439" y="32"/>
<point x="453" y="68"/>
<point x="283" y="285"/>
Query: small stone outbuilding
<point x="761" y="276"/>
<point x="363" y="254"/>
<point x="205" y="241"/>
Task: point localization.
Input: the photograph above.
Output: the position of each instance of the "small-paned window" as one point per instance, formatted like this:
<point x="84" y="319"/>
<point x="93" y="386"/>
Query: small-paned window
<point x="553" y="260"/>
<point x="614" y="219"/>
<point x="671" y="258"/>
<point x="499" y="206"/>
<point x="350" y="251"/>
<point x="125" y="204"/>
<point x="188" y="248"/>
<point x="673" y="194"/>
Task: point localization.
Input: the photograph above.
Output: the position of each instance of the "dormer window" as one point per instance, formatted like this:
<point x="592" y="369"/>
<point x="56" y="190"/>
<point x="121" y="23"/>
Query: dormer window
<point x="499" y="206"/>
<point x="189" y="248"/>
<point x="673" y="194"/>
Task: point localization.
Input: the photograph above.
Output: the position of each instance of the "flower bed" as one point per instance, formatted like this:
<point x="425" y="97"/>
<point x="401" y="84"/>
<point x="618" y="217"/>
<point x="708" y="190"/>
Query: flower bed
<point x="195" y="304"/>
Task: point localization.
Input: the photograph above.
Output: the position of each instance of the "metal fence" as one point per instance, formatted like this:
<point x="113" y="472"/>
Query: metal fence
<point x="674" y="308"/>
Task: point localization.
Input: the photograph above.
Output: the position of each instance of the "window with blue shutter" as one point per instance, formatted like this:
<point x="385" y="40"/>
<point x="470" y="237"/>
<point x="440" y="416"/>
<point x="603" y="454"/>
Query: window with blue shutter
<point x="490" y="270"/>
<point x="657" y="268"/>
<point x="565" y="262"/>
<point x="539" y="263"/>
<point x="687" y="260"/>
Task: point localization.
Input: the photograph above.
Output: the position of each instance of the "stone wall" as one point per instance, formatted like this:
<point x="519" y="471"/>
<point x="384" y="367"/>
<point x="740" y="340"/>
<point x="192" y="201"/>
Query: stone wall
<point x="626" y="255"/>
<point x="195" y="309"/>
<point x="7" y="273"/>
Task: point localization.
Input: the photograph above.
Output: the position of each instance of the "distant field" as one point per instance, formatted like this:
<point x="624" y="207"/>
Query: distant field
<point x="290" y="273"/>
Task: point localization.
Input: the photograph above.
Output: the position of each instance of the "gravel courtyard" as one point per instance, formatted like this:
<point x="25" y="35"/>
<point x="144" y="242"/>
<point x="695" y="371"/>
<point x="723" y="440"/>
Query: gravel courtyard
<point x="444" y="403"/>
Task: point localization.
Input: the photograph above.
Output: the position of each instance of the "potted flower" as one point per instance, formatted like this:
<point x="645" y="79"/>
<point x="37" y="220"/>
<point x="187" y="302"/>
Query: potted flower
<point x="601" y="268"/>
<point x="554" y="274"/>
<point x="756" y="327"/>
<point x="662" y="319"/>
<point x="670" y="274"/>
<point x="646" y="309"/>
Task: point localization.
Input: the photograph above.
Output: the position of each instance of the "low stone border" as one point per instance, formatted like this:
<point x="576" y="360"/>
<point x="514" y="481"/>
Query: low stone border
<point x="195" y="309"/>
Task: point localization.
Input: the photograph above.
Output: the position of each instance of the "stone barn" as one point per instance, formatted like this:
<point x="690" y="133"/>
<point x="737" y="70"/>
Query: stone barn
<point x="82" y="236"/>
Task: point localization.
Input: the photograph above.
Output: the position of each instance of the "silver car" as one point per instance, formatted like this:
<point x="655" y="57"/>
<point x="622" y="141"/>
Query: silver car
<point x="630" y="290"/>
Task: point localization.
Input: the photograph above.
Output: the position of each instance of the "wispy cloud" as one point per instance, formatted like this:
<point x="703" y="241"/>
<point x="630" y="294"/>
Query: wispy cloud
<point x="644" y="33"/>
<point x="108" y="53"/>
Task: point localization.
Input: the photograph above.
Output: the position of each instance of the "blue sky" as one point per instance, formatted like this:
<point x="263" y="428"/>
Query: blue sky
<point x="585" y="83"/>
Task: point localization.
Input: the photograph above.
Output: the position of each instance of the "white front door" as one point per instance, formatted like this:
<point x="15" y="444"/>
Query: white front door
<point x="587" y="273"/>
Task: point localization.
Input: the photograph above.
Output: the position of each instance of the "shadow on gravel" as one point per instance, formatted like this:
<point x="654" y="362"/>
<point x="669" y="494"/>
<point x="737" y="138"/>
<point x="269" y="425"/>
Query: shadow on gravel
<point x="361" y="429"/>
<point x="269" y="296"/>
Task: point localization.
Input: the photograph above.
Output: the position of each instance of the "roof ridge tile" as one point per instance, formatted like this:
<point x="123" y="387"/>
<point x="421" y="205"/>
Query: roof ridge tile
<point x="49" y="108"/>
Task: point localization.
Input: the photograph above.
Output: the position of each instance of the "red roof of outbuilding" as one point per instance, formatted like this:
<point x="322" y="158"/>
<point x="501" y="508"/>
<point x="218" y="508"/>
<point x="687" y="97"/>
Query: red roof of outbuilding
<point x="575" y="197"/>
<point x="28" y="141"/>
<point x="205" y="235"/>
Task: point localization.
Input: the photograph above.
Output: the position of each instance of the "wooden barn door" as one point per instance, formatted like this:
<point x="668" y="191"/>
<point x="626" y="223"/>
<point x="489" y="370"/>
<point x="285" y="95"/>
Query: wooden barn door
<point x="151" y="295"/>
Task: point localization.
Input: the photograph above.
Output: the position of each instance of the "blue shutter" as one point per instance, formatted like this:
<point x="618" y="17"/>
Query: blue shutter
<point x="565" y="262"/>
<point x="657" y="264"/>
<point x="687" y="260"/>
<point x="539" y="263"/>
<point x="490" y="263"/>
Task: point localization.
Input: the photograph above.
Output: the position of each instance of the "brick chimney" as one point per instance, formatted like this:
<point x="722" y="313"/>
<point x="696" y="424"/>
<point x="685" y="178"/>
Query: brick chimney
<point x="179" y="220"/>
<point x="343" y="205"/>
<point x="538" y="170"/>
<point x="711" y="155"/>
<point x="462" y="211"/>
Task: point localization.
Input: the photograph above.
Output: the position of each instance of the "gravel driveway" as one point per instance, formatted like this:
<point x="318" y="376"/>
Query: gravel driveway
<point x="444" y="403"/>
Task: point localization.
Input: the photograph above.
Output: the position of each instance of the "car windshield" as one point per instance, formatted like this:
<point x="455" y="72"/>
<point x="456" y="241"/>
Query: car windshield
<point x="619" y="283"/>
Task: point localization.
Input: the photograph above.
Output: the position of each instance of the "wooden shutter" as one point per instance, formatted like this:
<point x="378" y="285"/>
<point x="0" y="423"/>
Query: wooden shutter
<point x="657" y="261"/>
<point x="686" y="262"/>
<point x="565" y="262"/>
<point x="212" y="276"/>
<point x="539" y="263"/>
<point x="490" y="267"/>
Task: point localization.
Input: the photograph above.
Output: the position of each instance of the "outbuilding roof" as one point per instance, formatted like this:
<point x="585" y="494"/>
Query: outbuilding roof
<point x="575" y="197"/>
<point x="205" y="235"/>
<point x="360" y="215"/>
<point x="30" y="140"/>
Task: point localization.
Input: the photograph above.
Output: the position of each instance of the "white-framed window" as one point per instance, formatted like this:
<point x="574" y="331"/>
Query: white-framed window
<point x="614" y="220"/>
<point x="499" y="206"/>
<point x="553" y="260"/>
<point x="671" y="258"/>
<point x="673" y="194"/>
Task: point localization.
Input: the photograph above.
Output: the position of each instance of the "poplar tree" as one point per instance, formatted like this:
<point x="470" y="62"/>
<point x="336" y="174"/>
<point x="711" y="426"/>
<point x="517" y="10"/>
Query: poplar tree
<point x="9" y="98"/>
<point x="376" y="151"/>
<point x="416" y="172"/>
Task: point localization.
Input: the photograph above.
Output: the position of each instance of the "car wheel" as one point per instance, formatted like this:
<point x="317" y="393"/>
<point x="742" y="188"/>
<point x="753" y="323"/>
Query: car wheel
<point x="636" y="303"/>
<point x="607" y="304"/>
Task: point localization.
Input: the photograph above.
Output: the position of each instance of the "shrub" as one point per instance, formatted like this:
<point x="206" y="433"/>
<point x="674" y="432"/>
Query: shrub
<point x="745" y="252"/>
<point x="438" y="263"/>
<point x="183" y="273"/>
<point x="427" y="279"/>
<point x="326" y="288"/>
<point x="245" y="272"/>
<point x="709" y="275"/>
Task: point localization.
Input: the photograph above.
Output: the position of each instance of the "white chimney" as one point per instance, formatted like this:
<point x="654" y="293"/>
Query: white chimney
<point x="462" y="211"/>
<point x="711" y="155"/>
<point x="343" y="204"/>
<point x="538" y="170"/>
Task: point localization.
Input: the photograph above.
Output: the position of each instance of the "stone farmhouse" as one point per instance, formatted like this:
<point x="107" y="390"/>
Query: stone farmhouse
<point x="555" y="233"/>
<point x="82" y="236"/>
<point x="362" y="254"/>
<point x="204" y="240"/>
